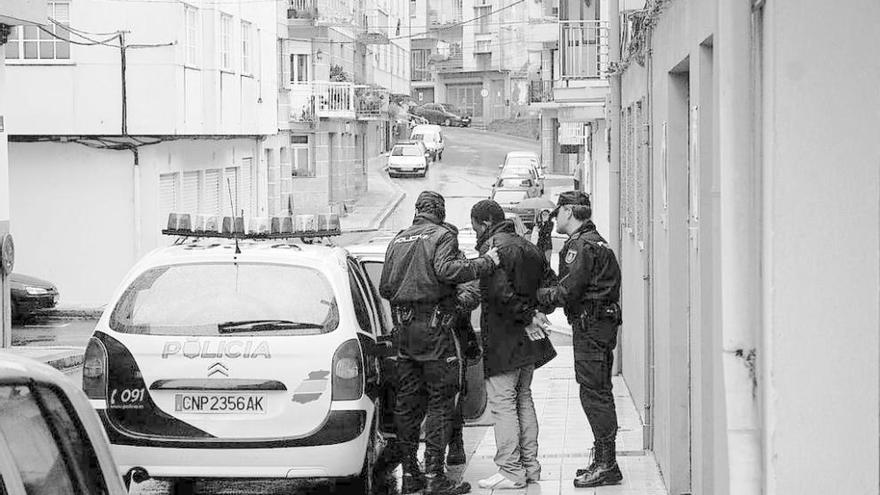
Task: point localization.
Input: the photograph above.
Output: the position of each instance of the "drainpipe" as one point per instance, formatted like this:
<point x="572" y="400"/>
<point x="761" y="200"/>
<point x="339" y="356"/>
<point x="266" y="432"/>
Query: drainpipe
<point x="136" y="209"/>
<point x="740" y="247"/>
<point x="614" y="166"/>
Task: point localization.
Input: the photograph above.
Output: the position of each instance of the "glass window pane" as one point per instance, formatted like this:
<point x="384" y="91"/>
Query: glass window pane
<point x="46" y="35"/>
<point x="15" y="33"/>
<point x="76" y="445"/>
<point x="12" y="48"/>
<point x="62" y="12"/>
<point x="62" y="33"/>
<point x="30" y="49"/>
<point x="31" y="32"/>
<point x="29" y="438"/>
<point x="47" y="49"/>
<point x="62" y="50"/>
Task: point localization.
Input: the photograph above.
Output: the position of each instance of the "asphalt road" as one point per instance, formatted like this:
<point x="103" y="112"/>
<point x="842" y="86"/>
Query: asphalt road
<point x="464" y="176"/>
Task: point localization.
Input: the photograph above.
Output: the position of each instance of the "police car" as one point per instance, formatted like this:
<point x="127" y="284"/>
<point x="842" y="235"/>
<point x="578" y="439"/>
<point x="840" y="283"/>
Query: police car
<point x="250" y="355"/>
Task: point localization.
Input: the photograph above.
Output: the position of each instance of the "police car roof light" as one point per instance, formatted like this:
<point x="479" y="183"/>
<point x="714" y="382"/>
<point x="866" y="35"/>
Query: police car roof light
<point x="280" y="227"/>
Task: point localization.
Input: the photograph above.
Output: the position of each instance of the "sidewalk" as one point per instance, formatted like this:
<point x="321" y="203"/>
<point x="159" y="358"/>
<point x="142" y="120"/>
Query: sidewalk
<point x="380" y="200"/>
<point x="565" y="439"/>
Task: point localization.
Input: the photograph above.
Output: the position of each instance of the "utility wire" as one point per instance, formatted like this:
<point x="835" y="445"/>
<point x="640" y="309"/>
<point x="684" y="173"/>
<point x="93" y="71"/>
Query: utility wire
<point x="459" y="23"/>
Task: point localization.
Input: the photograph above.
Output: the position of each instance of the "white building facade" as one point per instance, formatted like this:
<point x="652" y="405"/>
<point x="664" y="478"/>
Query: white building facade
<point x="103" y="145"/>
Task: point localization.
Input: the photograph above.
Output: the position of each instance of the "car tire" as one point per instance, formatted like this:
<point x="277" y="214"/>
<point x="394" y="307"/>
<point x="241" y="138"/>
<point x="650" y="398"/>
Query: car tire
<point x="440" y="156"/>
<point x="365" y="482"/>
<point x="447" y="123"/>
<point x="183" y="487"/>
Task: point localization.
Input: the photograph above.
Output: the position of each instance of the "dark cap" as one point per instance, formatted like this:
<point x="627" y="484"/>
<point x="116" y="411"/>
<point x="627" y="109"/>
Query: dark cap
<point x="577" y="198"/>
<point x="431" y="202"/>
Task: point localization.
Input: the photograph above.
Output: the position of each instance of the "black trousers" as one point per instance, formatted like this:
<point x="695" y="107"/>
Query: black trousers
<point x="426" y="388"/>
<point x="594" y="342"/>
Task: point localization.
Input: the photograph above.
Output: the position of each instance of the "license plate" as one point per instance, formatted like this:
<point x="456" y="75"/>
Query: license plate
<point x="220" y="403"/>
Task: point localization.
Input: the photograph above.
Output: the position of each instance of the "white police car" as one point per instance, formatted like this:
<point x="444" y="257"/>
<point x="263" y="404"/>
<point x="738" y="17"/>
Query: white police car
<point x="247" y="359"/>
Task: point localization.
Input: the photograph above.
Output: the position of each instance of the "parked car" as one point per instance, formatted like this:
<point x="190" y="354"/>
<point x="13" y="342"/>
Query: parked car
<point x="29" y="295"/>
<point x="509" y="198"/>
<point x="518" y="182"/>
<point x="51" y="440"/>
<point x="247" y="359"/>
<point x="523" y="164"/>
<point x="432" y="137"/>
<point x="442" y="114"/>
<point x="408" y="158"/>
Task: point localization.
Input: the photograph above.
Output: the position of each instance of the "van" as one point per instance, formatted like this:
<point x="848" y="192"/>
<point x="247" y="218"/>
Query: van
<point x="432" y="137"/>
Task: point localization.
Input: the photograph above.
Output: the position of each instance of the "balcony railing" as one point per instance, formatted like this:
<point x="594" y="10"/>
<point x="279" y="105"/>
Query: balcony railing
<point x="297" y="104"/>
<point x="421" y="74"/>
<point x="329" y="99"/>
<point x="583" y="49"/>
<point x="540" y="91"/>
<point x="302" y="9"/>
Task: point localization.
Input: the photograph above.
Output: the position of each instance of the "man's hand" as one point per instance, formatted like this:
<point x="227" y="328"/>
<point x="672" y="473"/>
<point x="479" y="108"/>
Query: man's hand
<point x="535" y="332"/>
<point x="541" y="320"/>
<point x="494" y="256"/>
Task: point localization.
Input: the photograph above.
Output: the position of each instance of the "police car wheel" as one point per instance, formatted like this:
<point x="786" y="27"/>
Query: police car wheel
<point x="365" y="482"/>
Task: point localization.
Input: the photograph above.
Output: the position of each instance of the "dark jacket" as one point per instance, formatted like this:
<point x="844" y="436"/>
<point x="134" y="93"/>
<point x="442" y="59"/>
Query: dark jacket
<point x="545" y="232"/>
<point x="588" y="271"/>
<point x="423" y="265"/>
<point x="509" y="302"/>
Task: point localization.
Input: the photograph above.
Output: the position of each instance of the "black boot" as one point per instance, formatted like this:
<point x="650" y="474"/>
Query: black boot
<point x="594" y="460"/>
<point x="456" y="455"/>
<point x="605" y="471"/>
<point x="413" y="479"/>
<point x="439" y="484"/>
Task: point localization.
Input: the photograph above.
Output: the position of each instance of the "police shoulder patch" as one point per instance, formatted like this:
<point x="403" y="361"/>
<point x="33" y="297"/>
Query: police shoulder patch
<point x="570" y="256"/>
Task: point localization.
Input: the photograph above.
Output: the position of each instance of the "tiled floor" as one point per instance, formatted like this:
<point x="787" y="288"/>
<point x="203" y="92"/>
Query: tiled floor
<point x="565" y="439"/>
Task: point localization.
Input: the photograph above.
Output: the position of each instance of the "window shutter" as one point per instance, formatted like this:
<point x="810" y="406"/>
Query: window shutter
<point x="246" y="193"/>
<point x="211" y="204"/>
<point x="230" y="186"/>
<point x="167" y="196"/>
<point x="190" y="195"/>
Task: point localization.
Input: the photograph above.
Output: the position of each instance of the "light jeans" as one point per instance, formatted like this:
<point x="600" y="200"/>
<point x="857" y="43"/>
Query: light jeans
<point x="516" y="424"/>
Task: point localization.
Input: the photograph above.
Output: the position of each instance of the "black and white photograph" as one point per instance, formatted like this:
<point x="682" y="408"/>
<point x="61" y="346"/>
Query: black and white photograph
<point x="439" y="247"/>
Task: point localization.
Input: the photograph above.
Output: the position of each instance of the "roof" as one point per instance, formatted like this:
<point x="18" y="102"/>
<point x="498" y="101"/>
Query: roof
<point x="215" y="249"/>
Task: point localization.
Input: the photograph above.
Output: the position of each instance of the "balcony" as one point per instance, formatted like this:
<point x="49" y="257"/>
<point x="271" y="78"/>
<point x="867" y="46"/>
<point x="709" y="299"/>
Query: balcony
<point x="372" y="103"/>
<point x="321" y="99"/>
<point x="540" y="91"/>
<point x="302" y="9"/>
<point x="583" y="49"/>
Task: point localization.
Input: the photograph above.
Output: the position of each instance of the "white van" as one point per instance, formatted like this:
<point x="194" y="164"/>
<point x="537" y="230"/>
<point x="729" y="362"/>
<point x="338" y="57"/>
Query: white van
<point x="432" y="137"/>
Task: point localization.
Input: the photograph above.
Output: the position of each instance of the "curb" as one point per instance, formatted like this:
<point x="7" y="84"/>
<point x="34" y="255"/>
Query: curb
<point x="386" y="211"/>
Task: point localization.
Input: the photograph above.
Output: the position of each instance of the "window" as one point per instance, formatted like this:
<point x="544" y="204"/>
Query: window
<point x="168" y="200"/>
<point x="29" y="436"/>
<point x="41" y="44"/>
<point x="225" y="42"/>
<point x="191" y="15"/>
<point x="219" y="298"/>
<point x="299" y="68"/>
<point x="483" y="15"/>
<point x="299" y="151"/>
<point x="360" y="304"/>
<point x="245" y="47"/>
<point x="483" y="46"/>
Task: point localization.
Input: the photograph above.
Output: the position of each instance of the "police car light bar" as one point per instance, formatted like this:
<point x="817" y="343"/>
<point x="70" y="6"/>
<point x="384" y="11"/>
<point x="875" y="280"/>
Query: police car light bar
<point x="283" y="227"/>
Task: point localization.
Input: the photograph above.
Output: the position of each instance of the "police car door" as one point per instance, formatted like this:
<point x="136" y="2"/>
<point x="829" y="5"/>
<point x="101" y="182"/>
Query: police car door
<point x="368" y="320"/>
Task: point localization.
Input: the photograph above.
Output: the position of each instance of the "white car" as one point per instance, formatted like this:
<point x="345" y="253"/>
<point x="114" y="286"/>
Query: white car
<point x="264" y="363"/>
<point x="51" y="440"/>
<point x="431" y="135"/>
<point x="523" y="164"/>
<point x="408" y="158"/>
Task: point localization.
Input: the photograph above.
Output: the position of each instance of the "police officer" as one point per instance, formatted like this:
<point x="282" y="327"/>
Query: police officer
<point x="422" y="269"/>
<point x="589" y="291"/>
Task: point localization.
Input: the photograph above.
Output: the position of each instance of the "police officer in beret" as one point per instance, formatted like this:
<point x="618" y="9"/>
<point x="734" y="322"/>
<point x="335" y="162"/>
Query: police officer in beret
<point x="589" y="291"/>
<point x="421" y="278"/>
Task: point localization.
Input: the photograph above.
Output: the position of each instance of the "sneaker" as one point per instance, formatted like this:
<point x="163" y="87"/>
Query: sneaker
<point x="412" y="483"/>
<point x="500" y="482"/>
<point x="439" y="484"/>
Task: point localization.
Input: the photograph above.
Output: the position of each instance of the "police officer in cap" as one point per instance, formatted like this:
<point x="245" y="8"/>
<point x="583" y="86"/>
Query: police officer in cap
<point x="589" y="291"/>
<point x="423" y="267"/>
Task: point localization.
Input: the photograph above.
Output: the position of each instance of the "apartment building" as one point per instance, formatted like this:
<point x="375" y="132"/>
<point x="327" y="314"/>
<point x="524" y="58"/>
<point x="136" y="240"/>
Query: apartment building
<point x="105" y="141"/>
<point x="344" y="65"/>
<point x="479" y="54"/>
<point x="13" y="13"/>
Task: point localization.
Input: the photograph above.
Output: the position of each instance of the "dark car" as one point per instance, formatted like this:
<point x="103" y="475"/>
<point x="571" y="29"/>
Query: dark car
<point x="30" y="295"/>
<point x="442" y="114"/>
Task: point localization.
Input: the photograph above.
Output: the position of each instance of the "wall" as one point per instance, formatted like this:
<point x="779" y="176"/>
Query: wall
<point x="5" y="316"/>
<point x="820" y="246"/>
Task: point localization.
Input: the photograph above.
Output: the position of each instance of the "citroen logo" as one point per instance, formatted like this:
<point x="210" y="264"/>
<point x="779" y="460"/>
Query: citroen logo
<point x="216" y="368"/>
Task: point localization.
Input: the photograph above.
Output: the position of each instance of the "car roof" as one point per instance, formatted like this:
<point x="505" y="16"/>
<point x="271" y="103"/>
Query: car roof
<point x="377" y="246"/>
<point x="199" y="250"/>
<point x="409" y="142"/>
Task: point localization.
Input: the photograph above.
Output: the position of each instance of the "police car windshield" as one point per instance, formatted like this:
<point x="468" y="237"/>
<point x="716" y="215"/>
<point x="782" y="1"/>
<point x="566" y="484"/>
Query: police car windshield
<point x="226" y="298"/>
